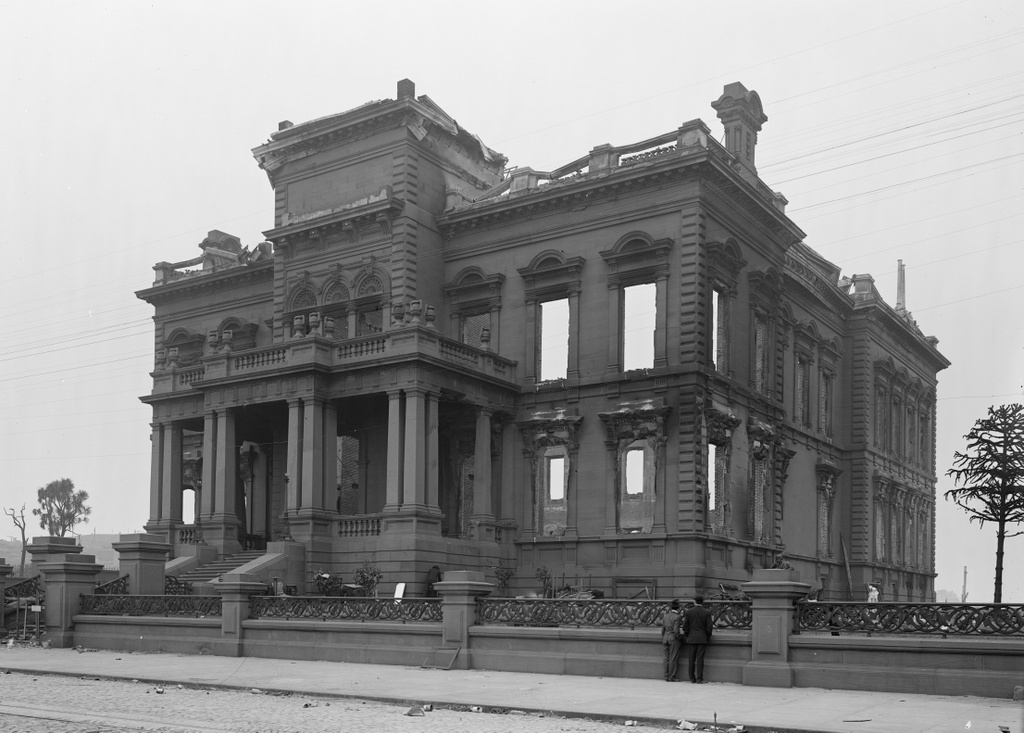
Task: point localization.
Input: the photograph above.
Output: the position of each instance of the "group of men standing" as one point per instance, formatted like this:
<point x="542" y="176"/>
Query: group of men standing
<point x="693" y="626"/>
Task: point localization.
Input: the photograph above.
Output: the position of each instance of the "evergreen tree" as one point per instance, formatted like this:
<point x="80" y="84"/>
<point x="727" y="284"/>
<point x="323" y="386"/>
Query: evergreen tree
<point x="61" y="507"/>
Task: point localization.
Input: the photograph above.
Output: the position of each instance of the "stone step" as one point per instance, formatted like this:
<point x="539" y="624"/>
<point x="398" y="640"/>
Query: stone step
<point x="219" y="567"/>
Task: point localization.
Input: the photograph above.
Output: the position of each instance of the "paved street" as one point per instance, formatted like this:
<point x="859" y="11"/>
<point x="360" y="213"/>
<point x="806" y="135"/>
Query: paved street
<point x="59" y="704"/>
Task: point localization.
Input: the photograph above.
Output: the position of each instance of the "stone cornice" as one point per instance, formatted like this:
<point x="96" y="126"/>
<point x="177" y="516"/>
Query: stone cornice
<point x="707" y="165"/>
<point x="901" y="332"/>
<point x="192" y="285"/>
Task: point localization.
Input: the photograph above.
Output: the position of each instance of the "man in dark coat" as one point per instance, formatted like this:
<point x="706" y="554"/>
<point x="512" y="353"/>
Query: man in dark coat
<point x="671" y="641"/>
<point x="697" y="627"/>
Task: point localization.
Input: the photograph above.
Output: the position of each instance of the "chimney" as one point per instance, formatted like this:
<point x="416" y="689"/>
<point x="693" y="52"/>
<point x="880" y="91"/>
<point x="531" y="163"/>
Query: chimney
<point x="742" y="116"/>
<point x="406" y="89"/>
<point x="901" y="287"/>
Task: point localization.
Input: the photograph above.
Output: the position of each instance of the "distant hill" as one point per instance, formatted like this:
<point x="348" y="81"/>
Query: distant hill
<point x="98" y="545"/>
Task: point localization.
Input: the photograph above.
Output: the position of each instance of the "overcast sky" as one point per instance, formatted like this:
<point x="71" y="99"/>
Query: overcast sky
<point x="896" y="131"/>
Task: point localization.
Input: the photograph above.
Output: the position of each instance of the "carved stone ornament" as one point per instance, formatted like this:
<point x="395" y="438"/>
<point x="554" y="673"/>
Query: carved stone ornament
<point x="636" y="420"/>
<point x="720" y="425"/>
<point x="827" y="475"/>
<point x="552" y="428"/>
<point x="763" y="439"/>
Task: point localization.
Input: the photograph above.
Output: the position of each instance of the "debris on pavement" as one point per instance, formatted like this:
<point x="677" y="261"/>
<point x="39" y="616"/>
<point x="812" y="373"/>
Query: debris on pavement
<point x="414" y="710"/>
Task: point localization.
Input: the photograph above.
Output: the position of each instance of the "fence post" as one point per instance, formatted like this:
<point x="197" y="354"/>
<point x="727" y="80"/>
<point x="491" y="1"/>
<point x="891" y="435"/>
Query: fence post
<point x="43" y="549"/>
<point x="235" y="590"/>
<point x="459" y="590"/>
<point x="67" y="577"/>
<point x="142" y="558"/>
<point x="773" y="594"/>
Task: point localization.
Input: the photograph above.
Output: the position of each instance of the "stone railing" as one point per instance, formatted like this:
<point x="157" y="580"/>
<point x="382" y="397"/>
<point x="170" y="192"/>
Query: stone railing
<point x="361" y="525"/>
<point x="349" y="609"/>
<point x="261" y="358"/>
<point x="187" y="377"/>
<point x="912" y="618"/>
<point x="190" y="534"/>
<point x="617" y="613"/>
<point x="362" y="347"/>
<point x="117" y="586"/>
<point x="195" y="606"/>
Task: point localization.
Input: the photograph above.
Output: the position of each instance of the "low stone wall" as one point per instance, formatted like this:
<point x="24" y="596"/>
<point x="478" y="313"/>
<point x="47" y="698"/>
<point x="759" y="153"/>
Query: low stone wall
<point x="150" y="634"/>
<point x="341" y="641"/>
<point x="986" y="667"/>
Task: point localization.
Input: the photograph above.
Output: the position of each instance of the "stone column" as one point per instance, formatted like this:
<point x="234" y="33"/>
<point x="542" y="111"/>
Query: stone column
<point x="396" y="452"/>
<point x="483" y="511"/>
<point x="433" y="478"/>
<point x="661" y="322"/>
<point x="573" y="370"/>
<point x="142" y="558"/>
<point x="225" y="503"/>
<point x="330" y="456"/>
<point x="774" y="594"/>
<point x="156" y="474"/>
<point x="311" y="494"/>
<point x="530" y="374"/>
<point x="67" y="578"/>
<point x="206" y="506"/>
<point x="170" y="482"/>
<point x="615" y="328"/>
<point x="459" y="590"/>
<point x="235" y="590"/>
<point x="293" y="469"/>
<point x="415" y="458"/>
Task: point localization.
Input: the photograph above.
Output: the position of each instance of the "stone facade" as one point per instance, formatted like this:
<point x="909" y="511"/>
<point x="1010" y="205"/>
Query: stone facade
<point x="630" y="370"/>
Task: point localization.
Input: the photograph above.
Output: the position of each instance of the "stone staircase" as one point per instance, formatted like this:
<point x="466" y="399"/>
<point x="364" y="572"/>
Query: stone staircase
<point x="211" y="570"/>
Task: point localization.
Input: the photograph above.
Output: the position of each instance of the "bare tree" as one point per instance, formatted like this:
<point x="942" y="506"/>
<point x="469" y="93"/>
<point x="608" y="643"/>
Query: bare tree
<point x="19" y="522"/>
<point x="61" y="507"/>
<point x="991" y="472"/>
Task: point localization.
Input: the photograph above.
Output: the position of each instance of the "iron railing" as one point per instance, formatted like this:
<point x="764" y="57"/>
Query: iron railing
<point x="175" y="586"/>
<point x="349" y="609"/>
<point x="1000" y="619"/>
<point x="196" y="606"/>
<point x="116" y="587"/>
<point x="602" y="613"/>
<point x="28" y="588"/>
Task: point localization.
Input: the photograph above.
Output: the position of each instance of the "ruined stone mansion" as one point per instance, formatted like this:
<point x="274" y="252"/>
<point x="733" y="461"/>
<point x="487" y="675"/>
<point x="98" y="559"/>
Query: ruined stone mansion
<point x="630" y="371"/>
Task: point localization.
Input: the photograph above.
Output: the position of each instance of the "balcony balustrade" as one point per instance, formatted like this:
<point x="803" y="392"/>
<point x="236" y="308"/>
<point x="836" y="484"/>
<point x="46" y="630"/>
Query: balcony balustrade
<point x="403" y="343"/>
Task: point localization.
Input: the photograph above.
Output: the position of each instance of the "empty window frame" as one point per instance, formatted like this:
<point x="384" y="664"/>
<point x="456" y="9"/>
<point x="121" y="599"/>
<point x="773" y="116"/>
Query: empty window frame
<point x="720" y="330"/>
<point x="553" y="355"/>
<point x="555" y="478"/>
<point x="761" y="355"/>
<point x="826" y="391"/>
<point x="802" y="392"/>
<point x="712" y="477"/>
<point x="639" y="320"/>
<point x="633" y="471"/>
<point x="473" y="327"/>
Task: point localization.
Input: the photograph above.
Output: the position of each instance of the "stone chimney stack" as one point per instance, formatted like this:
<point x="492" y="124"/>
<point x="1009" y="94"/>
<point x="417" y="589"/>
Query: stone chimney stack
<point x="406" y="89"/>
<point x="742" y="116"/>
<point x="901" y="287"/>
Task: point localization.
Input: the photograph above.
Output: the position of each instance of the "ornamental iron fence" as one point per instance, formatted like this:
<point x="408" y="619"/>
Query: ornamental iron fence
<point x="602" y="613"/>
<point x="911" y="618"/>
<point x="349" y="609"/>
<point x="120" y="605"/>
<point x="28" y="588"/>
<point x="174" y="586"/>
<point x="115" y="587"/>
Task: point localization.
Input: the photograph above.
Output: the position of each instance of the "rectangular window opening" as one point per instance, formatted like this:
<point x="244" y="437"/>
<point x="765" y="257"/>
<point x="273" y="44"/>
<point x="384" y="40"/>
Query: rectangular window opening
<point x="554" y="339"/>
<point x="638" y="323"/>
<point x="712" y="476"/>
<point x="716" y="327"/>
<point x="556" y="479"/>
<point x="634" y="471"/>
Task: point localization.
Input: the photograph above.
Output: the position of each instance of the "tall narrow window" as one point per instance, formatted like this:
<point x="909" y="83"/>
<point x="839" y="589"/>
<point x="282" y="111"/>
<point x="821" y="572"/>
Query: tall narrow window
<point x="638" y="320"/>
<point x="556" y="478"/>
<point x="802" y="393"/>
<point x="554" y="339"/>
<point x="635" y="471"/>
<point x="825" y="402"/>
<point x="712" y="477"/>
<point x="761" y="354"/>
<point x="716" y="315"/>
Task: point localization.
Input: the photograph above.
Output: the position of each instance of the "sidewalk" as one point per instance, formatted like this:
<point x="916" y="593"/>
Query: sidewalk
<point x="618" y="699"/>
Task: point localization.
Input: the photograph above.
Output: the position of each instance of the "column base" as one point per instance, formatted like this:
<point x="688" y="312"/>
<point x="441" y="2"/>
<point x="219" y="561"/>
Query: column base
<point x="165" y="529"/>
<point x="222" y="532"/>
<point x="413" y="519"/>
<point x="482" y="527"/>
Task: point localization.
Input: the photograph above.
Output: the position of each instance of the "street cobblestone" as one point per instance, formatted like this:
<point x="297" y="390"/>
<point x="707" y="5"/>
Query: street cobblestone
<point x="60" y="704"/>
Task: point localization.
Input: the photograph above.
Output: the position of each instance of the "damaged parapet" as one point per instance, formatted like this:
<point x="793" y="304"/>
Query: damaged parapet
<point x="221" y="251"/>
<point x="742" y="116"/>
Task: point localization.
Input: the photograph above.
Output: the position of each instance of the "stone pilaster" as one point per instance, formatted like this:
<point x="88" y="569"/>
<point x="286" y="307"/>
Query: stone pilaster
<point x="67" y="578"/>
<point x="142" y="557"/>
<point x="773" y="594"/>
<point x="459" y="590"/>
<point x="235" y="590"/>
